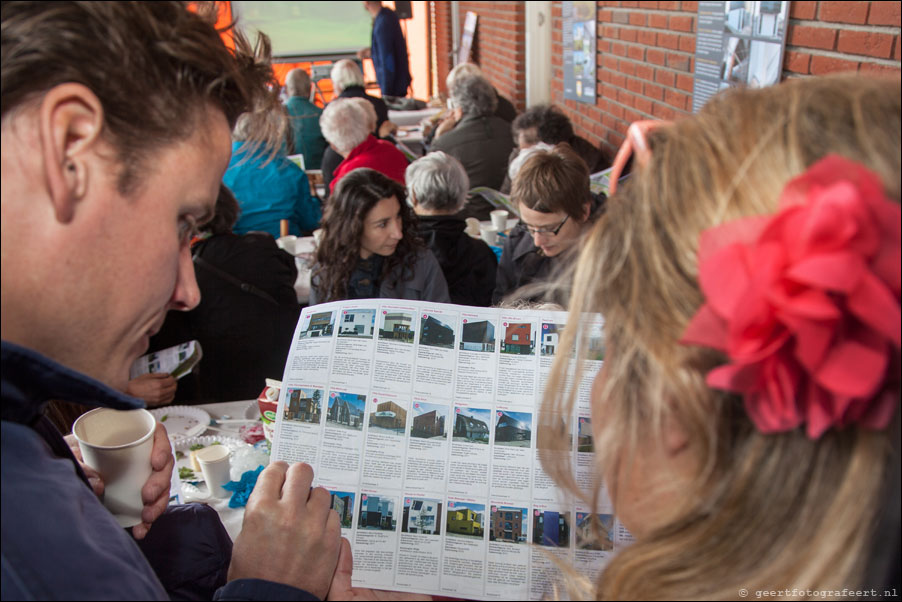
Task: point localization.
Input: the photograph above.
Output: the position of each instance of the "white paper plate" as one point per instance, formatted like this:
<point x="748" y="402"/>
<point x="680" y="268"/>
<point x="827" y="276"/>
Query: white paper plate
<point x="183" y="448"/>
<point x="182" y="421"/>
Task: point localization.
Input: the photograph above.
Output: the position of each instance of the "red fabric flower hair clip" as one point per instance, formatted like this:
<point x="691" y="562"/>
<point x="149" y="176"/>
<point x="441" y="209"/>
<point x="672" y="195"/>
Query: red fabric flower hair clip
<point x="805" y="303"/>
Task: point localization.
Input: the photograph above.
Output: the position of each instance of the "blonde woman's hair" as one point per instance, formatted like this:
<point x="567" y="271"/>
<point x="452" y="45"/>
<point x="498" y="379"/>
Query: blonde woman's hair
<point x="762" y="512"/>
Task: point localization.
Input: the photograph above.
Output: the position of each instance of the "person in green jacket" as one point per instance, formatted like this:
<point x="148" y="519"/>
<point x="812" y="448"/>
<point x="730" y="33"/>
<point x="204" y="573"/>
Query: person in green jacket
<point x="306" y="137"/>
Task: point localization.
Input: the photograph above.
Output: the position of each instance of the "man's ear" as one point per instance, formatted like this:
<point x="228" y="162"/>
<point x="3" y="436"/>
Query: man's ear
<point x="70" y="121"/>
<point x="587" y="211"/>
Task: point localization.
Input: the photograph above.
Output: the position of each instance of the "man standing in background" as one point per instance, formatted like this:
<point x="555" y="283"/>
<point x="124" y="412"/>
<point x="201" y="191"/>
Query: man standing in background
<point x="388" y="49"/>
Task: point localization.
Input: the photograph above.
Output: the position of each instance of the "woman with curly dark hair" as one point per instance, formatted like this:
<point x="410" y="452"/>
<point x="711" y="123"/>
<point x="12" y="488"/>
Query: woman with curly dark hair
<point x="369" y="247"/>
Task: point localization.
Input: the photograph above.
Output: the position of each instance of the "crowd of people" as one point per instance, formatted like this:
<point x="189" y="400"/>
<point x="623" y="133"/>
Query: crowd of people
<point x="746" y="419"/>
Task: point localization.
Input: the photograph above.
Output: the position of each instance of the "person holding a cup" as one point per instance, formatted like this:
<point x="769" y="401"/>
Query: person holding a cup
<point x="556" y="207"/>
<point x="106" y="176"/>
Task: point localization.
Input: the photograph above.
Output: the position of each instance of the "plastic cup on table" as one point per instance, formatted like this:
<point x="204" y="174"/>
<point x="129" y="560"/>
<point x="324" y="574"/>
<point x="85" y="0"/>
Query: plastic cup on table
<point x="489" y="235"/>
<point x="216" y="467"/>
<point x="499" y="219"/>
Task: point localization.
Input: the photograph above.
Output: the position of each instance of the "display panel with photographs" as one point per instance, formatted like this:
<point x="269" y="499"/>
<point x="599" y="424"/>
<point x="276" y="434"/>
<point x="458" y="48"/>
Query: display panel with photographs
<point x="739" y="43"/>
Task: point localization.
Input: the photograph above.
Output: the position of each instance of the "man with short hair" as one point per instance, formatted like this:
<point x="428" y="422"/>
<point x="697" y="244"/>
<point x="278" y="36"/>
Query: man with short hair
<point x="388" y="50"/>
<point x="105" y="178"/>
<point x="306" y="137"/>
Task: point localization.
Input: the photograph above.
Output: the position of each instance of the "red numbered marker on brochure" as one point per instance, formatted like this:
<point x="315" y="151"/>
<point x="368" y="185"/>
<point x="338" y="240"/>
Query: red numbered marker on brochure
<point x="544" y="326"/>
<point x="465" y="320"/>
<point x="537" y="512"/>
<point x="416" y="405"/>
<point x="498" y="414"/>
<point x="363" y="497"/>
<point x="457" y="410"/>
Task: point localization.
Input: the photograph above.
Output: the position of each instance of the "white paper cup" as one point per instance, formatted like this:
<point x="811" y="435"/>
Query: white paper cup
<point x="214" y="463"/>
<point x="117" y="444"/>
<point x="489" y="234"/>
<point x="499" y="219"/>
<point x="473" y="226"/>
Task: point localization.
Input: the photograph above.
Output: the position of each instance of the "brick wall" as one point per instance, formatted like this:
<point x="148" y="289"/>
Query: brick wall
<point x="646" y="56"/>
<point x="843" y="36"/>
<point x="443" y="43"/>
<point x="499" y="47"/>
<point x="645" y="63"/>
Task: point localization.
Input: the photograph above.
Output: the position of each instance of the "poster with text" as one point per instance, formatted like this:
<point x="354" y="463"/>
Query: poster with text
<point x="579" y="50"/>
<point x="738" y="44"/>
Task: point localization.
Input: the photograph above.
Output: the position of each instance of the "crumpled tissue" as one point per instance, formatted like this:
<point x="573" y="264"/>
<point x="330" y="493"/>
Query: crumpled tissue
<point x="242" y="489"/>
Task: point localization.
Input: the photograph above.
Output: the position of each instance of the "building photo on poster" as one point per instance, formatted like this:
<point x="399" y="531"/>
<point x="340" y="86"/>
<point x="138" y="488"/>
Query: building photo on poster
<point x="740" y="43"/>
<point x="579" y="50"/>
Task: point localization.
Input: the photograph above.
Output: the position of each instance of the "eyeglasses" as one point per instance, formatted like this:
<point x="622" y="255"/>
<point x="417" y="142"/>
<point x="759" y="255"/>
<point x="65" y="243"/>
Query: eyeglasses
<point x="545" y="230"/>
<point x="635" y="142"/>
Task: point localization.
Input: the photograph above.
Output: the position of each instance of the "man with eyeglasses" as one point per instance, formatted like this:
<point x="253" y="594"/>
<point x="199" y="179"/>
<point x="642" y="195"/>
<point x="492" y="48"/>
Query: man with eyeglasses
<point x="556" y="206"/>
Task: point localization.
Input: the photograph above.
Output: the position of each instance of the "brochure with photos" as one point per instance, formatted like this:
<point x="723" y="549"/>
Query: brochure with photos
<point x="177" y="361"/>
<point x="421" y="420"/>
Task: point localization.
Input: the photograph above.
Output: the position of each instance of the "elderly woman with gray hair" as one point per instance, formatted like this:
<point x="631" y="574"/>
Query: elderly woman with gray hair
<point x="481" y="141"/>
<point x="437" y="189"/>
<point x="347" y="124"/>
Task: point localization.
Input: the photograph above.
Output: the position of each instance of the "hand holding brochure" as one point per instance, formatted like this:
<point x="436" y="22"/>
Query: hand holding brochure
<point x="421" y="420"/>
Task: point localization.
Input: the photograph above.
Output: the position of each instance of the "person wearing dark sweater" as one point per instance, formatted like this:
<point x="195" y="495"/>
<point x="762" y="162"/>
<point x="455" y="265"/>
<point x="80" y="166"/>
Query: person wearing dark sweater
<point x="437" y="188"/>
<point x="369" y="247"/>
<point x="480" y="141"/>
<point x="246" y="315"/>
